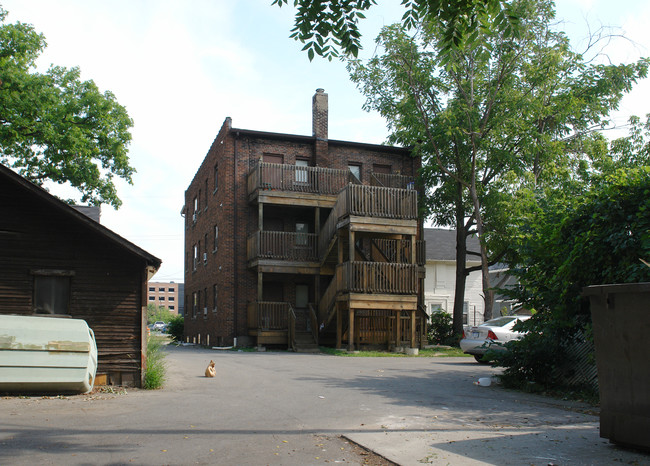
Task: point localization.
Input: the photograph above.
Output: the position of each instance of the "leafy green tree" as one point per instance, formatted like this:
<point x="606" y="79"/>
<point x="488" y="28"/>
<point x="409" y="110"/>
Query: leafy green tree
<point x="567" y="241"/>
<point x="157" y="313"/>
<point x="54" y="126"/>
<point x="176" y="328"/>
<point x="329" y="28"/>
<point x="502" y="114"/>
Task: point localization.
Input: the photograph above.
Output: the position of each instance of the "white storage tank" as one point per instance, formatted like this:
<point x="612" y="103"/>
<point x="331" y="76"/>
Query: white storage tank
<point x="46" y="355"/>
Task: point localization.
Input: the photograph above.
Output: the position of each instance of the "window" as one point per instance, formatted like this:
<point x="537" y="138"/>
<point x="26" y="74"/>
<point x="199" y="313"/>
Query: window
<point x="301" y="171"/>
<point x="161" y="298"/>
<point x="52" y="294"/>
<point x="195" y="303"/>
<point x="171" y="308"/>
<point x="205" y="207"/>
<point x="152" y="298"/>
<point x="161" y="289"/>
<point x="216" y="177"/>
<point x="152" y="288"/>
<point x="437" y="307"/>
<point x="465" y="312"/>
<point x="273" y="158"/>
<point x="216" y="238"/>
<point x="214" y="298"/>
<point x="171" y="290"/>
<point x="171" y="298"/>
<point x="301" y="233"/>
<point x="196" y="209"/>
<point x="195" y="255"/>
<point x="355" y="169"/>
<point x="205" y="253"/>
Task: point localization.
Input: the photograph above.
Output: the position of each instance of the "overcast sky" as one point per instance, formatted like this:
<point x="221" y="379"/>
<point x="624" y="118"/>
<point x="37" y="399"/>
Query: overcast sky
<point x="181" y="67"/>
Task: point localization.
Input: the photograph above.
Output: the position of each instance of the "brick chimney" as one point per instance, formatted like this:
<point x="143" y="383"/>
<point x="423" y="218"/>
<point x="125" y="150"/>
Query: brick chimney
<point x="319" y="126"/>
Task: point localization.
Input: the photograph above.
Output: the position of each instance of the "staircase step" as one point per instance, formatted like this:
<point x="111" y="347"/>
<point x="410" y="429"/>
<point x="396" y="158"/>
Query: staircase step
<point x="307" y="348"/>
<point x="304" y="342"/>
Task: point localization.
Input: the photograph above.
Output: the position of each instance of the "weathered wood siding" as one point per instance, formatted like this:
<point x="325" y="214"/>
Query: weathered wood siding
<point x="106" y="279"/>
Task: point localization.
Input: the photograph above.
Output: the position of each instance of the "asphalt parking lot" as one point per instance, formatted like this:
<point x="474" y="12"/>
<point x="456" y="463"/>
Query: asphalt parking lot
<point x="300" y="409"/>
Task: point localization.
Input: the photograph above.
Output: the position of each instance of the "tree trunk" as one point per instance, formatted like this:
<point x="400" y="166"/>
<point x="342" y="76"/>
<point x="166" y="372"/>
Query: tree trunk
<point x="485" y="271"/>
<point x="461" y="260"/>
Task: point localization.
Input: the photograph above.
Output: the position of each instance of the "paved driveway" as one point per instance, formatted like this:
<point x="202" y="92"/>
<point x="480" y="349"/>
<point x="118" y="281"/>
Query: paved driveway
<point x="286" y="408"/>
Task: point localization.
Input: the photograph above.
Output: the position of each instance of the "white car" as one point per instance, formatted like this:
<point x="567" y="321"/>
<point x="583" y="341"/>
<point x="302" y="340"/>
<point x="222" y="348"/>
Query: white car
<point x="159" y="326"/>
<point x="490" y="335"/>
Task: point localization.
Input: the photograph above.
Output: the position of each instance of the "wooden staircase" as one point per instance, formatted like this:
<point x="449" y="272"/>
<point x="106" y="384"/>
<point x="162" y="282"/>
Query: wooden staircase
<point x="305" y="343"/>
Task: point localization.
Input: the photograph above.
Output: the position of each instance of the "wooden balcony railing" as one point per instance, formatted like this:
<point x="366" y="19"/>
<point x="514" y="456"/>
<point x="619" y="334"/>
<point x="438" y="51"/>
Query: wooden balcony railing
<point x="392" y="181"/>
<point x="376" y="201"/>
<point x="281" y="177"/>
<point x="377" y="277"/>
<point x="266" y="315"/>
<point x="281" y="245"/>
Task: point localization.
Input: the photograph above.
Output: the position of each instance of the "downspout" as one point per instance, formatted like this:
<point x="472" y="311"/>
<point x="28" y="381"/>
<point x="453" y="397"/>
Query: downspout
<point x="236" y="237"/>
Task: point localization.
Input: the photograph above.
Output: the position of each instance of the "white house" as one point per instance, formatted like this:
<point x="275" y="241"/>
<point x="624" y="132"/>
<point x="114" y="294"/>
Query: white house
<point x="440" y="281"/>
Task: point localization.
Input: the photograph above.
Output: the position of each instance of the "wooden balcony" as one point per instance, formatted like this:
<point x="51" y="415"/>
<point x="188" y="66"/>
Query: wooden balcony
<point x="377" y="278"/>
<point x="269" y="321"/>
<point x="371" y="208"/>
<point x="310" y="186"/>
<point x="279" y="251"/>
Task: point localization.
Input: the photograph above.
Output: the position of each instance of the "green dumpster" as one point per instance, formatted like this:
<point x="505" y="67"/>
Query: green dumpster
<point x="621" y="323"/>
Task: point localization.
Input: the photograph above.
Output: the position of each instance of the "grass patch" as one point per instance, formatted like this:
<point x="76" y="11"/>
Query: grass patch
<point x="424" y="353"/>
<point x="155" y="372"/>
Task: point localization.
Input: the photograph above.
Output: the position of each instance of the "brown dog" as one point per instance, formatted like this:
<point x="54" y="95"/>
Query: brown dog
<point x="210" y="371"/>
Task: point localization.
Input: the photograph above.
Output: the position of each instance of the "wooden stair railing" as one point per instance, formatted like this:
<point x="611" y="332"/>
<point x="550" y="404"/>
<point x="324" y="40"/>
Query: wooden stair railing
<point x="314" y="323"/>
<point x="291" y="331"/>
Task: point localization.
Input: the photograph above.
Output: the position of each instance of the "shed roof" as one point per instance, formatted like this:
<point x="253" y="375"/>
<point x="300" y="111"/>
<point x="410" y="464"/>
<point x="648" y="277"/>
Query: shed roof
<point x="9" y="176"/>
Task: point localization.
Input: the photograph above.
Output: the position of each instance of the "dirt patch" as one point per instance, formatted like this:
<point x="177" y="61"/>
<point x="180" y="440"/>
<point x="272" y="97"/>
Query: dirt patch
<point x="365" y="456"/>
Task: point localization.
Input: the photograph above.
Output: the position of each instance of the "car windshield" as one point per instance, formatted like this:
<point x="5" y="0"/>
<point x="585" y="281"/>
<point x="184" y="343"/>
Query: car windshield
<point x="498" y="322"/>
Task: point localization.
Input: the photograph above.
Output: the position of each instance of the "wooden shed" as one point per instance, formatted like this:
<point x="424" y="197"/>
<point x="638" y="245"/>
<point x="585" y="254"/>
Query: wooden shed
<point x="56" y="261"/>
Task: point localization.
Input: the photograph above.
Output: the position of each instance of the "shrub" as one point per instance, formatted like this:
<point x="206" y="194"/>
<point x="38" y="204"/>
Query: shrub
<point x="176" y="327"/>
<point x="441" y="330"/>
<point x="154" y="375"/>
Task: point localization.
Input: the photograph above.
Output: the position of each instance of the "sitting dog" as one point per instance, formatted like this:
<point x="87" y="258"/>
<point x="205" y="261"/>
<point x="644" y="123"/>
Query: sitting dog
<point x="210" y="371"/>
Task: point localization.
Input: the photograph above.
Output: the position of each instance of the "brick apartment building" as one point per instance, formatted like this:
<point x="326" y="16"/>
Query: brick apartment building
<point x="303" y="240"/>
<point x="168" y="294"/>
